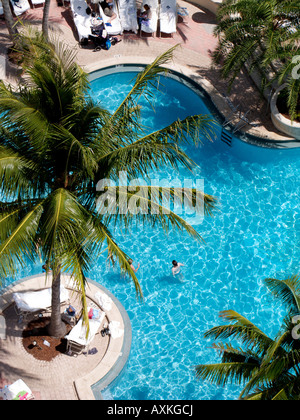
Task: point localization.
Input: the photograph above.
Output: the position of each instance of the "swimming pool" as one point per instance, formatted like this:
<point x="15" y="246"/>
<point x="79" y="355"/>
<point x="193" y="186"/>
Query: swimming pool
<point x="255" y="235"/>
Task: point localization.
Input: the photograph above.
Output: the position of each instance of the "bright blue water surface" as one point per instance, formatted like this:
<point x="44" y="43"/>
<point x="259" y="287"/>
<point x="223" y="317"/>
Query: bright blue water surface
<point x="254" y="235"/>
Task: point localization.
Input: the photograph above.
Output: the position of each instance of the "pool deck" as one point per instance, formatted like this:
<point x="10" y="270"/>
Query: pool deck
<point x="195" y="42"/>
<point x="64" y="377"/>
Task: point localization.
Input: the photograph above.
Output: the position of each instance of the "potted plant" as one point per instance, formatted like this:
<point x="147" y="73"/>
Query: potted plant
<point x="280" y="113"/>
<point x="263" y="37"/>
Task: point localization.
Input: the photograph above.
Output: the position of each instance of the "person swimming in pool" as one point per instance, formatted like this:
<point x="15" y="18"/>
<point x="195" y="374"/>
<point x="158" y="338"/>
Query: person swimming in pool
<point x="176" y="267"/>
<point x="132" y="266"/>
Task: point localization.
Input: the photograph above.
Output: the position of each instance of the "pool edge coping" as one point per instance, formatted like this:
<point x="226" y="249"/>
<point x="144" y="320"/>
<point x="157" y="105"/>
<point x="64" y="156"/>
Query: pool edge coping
<point x="251" y="136"/>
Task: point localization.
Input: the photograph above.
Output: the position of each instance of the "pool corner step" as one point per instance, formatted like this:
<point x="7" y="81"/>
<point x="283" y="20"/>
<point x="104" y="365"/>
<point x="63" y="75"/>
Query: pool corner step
<point x="226" y="137"/>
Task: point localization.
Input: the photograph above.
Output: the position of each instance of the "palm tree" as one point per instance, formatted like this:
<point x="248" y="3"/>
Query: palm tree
<point x="12" y="24"/>
<point x="264" y="36"/>
<point x="55" y="145"/>
<point x="268" y="368"/>
<point x="46" y="18"/>
<point x="9" y="20"/>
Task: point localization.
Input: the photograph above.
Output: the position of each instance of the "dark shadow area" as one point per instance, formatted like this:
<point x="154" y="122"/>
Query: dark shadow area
<point x="171" y="280"/>
<point x="181" y="33"/>
<point x="204" y="17"/>
<point x="244" y="95"/>
<point x="67" y="15"/>
<point x="37" y="341"/>
<point x="7" y="371"/>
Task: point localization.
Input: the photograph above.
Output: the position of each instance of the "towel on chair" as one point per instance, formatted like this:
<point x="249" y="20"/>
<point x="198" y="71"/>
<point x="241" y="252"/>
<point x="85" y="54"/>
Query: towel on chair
<point x="104" y="301"/>
<point x="115" y="330"/>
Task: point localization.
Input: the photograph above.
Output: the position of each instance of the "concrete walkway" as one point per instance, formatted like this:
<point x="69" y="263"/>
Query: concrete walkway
<point x="196" y="43"/>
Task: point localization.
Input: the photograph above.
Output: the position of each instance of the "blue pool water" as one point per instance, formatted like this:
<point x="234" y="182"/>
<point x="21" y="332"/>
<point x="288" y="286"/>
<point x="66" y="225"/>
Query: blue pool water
<point x="254" y="235"/>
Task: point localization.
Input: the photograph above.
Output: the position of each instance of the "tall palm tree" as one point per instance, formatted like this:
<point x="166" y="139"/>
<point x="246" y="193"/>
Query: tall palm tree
<point x="45" y="28"/>
<point x="9" y="20"/>
<point x="268" y="368"/>
<point x="264" y="35"/>
<point x="12" y="24"/>
<point x="55" y="145"/>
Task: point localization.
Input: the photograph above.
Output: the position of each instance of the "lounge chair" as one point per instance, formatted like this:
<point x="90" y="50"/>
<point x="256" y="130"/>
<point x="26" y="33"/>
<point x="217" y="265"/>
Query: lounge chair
<point x="150" y="26"/>
<point x="2" y="328"/>
<point x="128" y="15"/>
<point x="168" y="16"/>
<point x="16" y="391"/>
<point x="114" y="27"/>
<point x="81" y="19"/>
<point x="37" y="2"/>
<point x="77" y="341"/>
<point x="20" y="7"/>
<point x="31" y="302"/>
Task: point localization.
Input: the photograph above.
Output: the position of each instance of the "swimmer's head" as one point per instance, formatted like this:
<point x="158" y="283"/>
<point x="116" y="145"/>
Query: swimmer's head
<point x="175" y="263"/>
<point x="130" y="261"/>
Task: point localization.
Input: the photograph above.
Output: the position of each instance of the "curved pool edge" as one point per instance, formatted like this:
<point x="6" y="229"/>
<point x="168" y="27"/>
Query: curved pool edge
<point x="89" y="387"/>
<point x="219" y="105"/>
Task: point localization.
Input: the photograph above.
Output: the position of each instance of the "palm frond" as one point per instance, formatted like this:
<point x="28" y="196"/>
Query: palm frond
<point x="152" y="204"/>
<point x="288" y="291"/>
<point x="21" y="242"/>
<point x="143" y="81"/>
<point x="242" y="329"/>
<point x="224" y="373"/>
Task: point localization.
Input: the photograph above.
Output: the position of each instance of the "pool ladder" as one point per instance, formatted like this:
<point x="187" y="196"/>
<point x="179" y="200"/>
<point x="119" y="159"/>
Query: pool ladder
<point x="226" y="137"/>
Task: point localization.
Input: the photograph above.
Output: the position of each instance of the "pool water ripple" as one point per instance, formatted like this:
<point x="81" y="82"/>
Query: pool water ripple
<point x="254" y="235"/>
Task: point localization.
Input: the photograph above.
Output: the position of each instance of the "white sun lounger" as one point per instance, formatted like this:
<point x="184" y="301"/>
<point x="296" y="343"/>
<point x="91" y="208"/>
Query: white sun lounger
<point x="77" y="341"/>
<point x="81" y="19"/>
<point x="16" y="391"/>
<point x="150" y="26"/>
<point x="116" y="27"/>
<point x="128" y="15"/>
<point x="37" y="2"/>
<point x="20" y="7"/>
<point x="168" y="16"/>
<point x="2" y="328"/>
<point x="30" y="302"/>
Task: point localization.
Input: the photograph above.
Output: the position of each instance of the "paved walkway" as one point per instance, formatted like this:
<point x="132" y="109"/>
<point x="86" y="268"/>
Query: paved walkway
<point x="192" y="57"/>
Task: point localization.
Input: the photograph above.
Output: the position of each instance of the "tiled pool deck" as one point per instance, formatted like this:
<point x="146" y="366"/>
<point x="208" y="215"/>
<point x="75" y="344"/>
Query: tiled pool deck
<point x="192" y="58"/>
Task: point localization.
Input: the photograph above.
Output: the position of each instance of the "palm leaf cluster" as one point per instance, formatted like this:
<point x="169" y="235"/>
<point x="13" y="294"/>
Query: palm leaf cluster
<point x="56" y="144"/>
<point x="264" y="36"/>
<point x="268" y="369"/>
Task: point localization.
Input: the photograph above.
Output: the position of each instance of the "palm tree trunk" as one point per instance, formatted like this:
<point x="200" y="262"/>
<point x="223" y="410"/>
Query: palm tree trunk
<point x="56" y="328"/>
<point x="9" y="20"/>
<point x="46" y="18"/>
